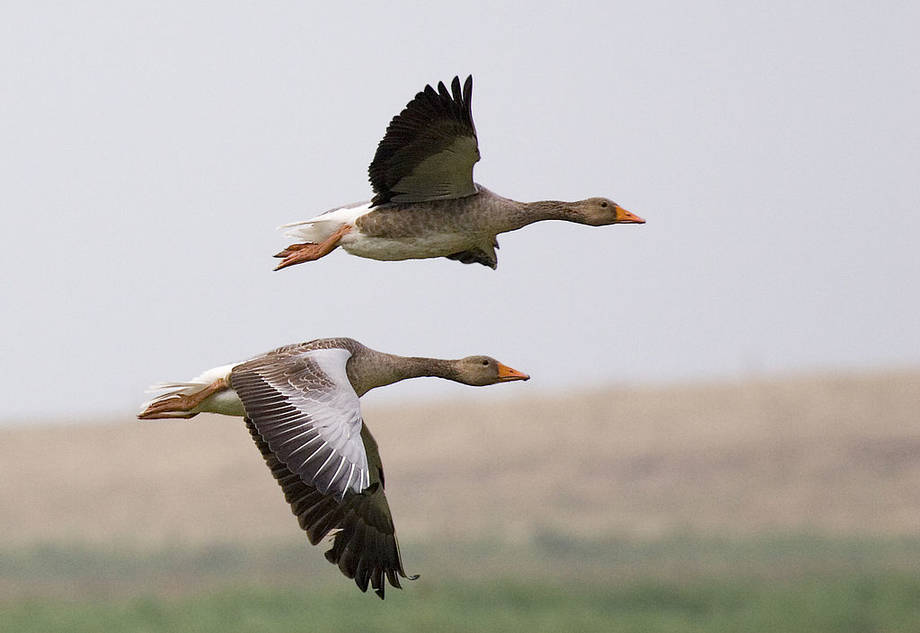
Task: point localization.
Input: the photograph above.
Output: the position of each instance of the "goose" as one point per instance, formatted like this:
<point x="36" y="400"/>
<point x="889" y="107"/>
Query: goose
<point x="425" y="202"/>
<point x="301" y="405"/>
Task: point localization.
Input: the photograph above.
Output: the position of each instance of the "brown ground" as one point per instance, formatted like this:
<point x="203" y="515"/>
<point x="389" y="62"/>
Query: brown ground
<point x="837" y="454"/>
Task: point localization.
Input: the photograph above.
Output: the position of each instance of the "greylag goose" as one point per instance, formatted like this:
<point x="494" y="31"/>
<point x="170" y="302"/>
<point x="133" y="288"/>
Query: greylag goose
<point x="300" y="403"/>
<point x="425" y="202"/>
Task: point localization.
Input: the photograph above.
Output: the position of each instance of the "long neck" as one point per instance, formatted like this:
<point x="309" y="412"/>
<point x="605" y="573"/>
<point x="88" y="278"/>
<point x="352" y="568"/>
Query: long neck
<point x="379" y="369"/>
<point x="520" y="214"/>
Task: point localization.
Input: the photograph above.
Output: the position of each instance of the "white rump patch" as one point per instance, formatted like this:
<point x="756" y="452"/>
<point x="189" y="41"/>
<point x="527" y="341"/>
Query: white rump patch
<point x="321" y="227"/>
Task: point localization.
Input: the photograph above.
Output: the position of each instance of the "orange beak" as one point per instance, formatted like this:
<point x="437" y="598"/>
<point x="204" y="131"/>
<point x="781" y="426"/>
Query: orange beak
<point x="625" y="217"/>
<point x="506" y="374"/>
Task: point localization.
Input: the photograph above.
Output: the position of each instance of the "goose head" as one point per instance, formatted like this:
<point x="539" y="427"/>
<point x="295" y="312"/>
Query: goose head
<point x="601" y="211"/>
<point x="484" y="370"/>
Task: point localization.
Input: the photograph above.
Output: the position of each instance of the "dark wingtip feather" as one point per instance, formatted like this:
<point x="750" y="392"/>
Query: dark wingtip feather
<point x="455" y="90"/>
<point x="377" y="581"/>
<point x="362" y="574"/>
<point x="418" y="123"/>
<point x="393" y="577"/>
<point x="359" y="548"/>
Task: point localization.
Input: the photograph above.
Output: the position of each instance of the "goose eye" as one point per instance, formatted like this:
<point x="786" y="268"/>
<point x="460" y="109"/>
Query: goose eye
<point x="604" y="205"/>
<point x="485" y="363"/>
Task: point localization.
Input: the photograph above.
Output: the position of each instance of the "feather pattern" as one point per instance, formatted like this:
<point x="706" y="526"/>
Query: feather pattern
<point x="364" y="547"/>
<point x="429" y="148"/>
<point x="308" y="413"/>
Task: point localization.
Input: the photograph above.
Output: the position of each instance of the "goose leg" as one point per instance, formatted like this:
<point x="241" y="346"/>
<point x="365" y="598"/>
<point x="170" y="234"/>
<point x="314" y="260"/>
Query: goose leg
<point x="182" y="405"/>
<point x="298" y="253"/>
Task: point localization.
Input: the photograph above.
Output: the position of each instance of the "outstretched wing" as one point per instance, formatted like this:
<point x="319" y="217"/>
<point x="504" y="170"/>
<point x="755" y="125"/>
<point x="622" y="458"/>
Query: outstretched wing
<point x="364" y="547"/>
<point x="307" y="412"/>
<point x="429" y="149"/>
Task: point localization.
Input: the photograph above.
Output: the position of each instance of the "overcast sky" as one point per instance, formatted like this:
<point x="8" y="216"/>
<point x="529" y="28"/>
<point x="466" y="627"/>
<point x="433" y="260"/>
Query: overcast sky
<point x="147" y="154"/>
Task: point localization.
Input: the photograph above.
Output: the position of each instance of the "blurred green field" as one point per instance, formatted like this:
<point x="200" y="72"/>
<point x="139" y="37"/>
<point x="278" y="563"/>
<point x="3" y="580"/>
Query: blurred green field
<point x="852" y="603"/>
<point x="779" y="583"/>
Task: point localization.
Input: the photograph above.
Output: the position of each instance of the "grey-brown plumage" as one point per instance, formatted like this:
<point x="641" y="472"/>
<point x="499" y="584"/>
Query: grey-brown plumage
<point x="425" y="202"/>
<point x="301" y="406"/>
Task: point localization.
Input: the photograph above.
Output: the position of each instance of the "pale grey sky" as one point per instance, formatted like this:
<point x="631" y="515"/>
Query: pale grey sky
<point x="147" y="153"/>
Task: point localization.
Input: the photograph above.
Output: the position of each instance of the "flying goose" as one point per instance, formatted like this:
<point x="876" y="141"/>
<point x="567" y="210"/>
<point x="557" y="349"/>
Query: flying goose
<point x="425" y="202"/>
<point x="300" y="403"/>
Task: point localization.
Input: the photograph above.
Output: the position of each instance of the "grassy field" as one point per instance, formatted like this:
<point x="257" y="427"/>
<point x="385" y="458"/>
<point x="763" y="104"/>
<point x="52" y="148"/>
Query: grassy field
<point x="791" y="583"/>
<point x="773" y="505"/>
<point x="847" y="604"/>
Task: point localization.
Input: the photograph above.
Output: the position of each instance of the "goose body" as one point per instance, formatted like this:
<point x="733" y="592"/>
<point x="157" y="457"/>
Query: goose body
<point x="426" y="203"/>
<point x="438" y="228"/>
<point x="301" y="405"/>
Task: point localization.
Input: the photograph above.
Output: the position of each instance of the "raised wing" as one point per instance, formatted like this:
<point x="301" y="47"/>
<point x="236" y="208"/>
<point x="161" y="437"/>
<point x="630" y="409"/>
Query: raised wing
<point x="307" y="412"/>
<point x="365" y="546"/>
<point x="429" y="149"/>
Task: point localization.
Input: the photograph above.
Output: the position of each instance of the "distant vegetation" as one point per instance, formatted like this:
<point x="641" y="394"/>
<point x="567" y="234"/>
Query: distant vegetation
<point x="853" y="603"/>
<point x="792" y="583"/>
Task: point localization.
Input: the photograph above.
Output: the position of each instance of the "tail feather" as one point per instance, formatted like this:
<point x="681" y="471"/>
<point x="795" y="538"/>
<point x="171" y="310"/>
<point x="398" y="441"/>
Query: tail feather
<point x="155" y="408"/>
<point x="310" y="231"/>
<point x="174" y="389"/>
<point x="162" y="386"/>
<point x="291" y="225"/>
<point x="318" y="229"/>
<point x="152" y="409"/>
